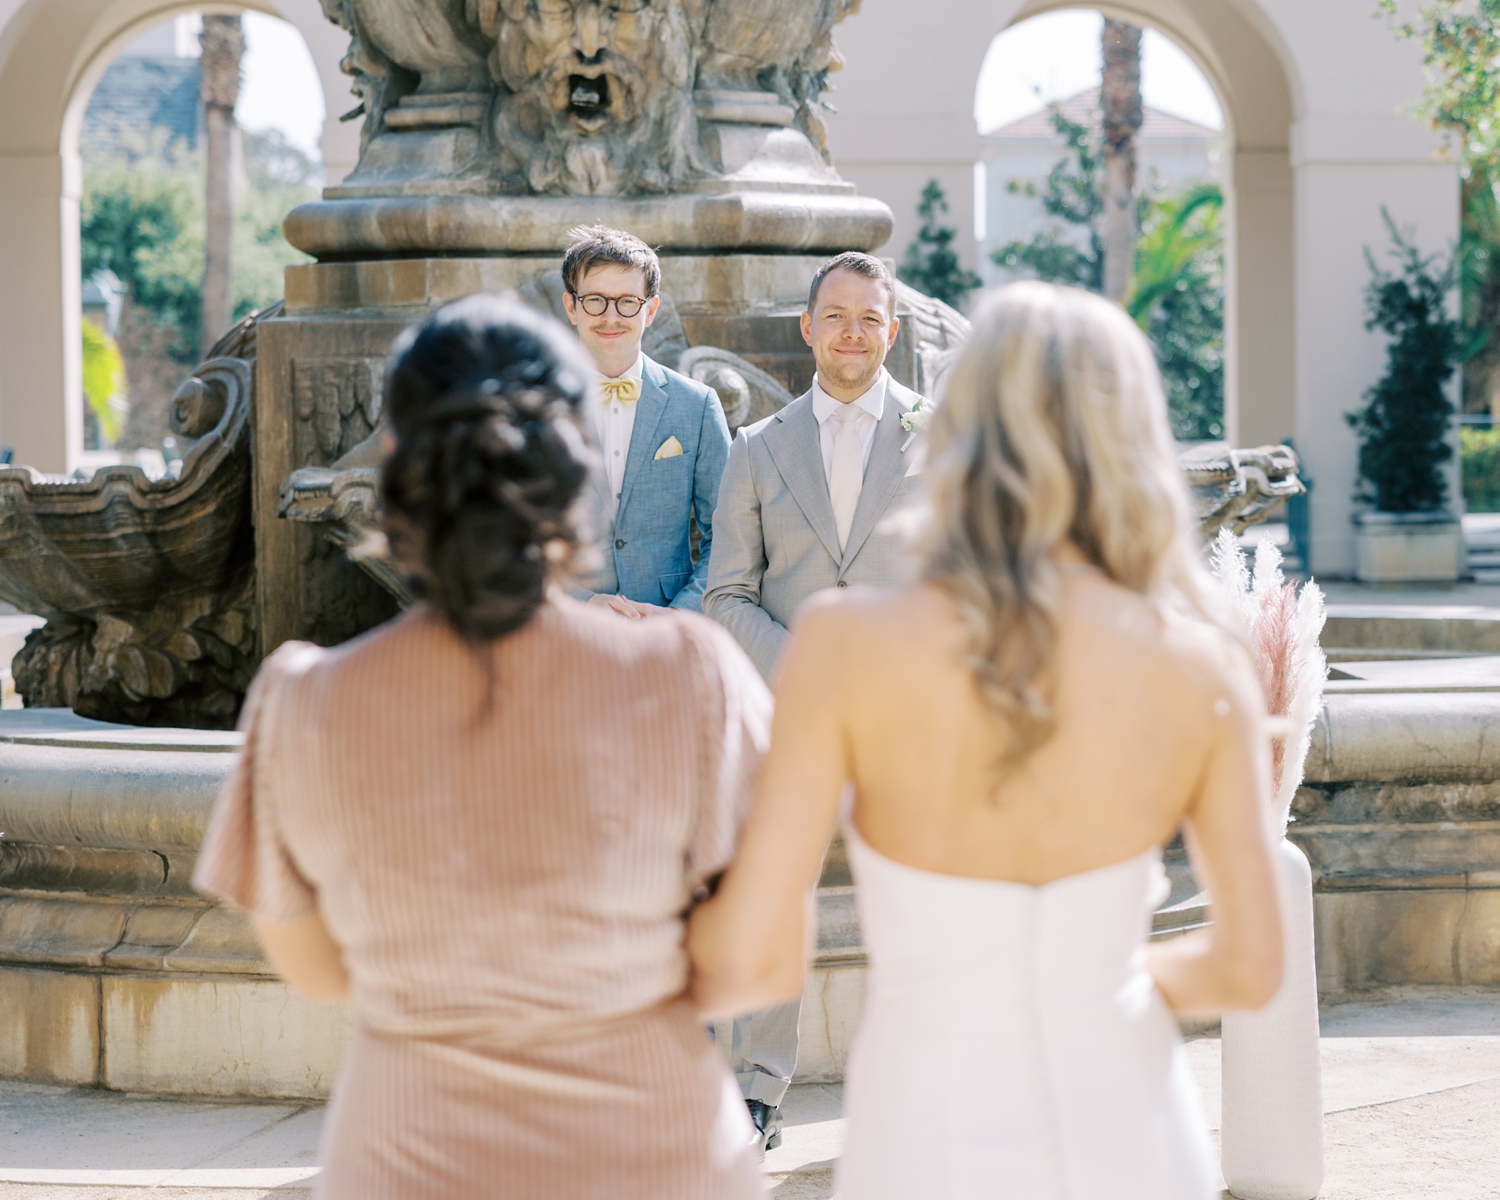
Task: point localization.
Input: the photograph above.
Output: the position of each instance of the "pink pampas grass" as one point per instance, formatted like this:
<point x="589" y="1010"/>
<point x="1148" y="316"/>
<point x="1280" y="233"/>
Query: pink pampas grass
<point x="1284" y="628"/>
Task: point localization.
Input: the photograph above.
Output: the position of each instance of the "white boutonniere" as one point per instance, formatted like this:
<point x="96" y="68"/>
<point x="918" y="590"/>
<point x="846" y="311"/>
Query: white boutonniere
<point x="914" y="420"/>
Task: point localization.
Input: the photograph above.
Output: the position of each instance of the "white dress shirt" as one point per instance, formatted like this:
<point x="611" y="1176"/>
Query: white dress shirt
<point x="870" y="406"/>
<point x="614" y="422"/>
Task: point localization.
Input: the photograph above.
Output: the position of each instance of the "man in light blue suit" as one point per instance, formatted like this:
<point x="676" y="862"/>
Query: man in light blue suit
<point x="663" y="436"/>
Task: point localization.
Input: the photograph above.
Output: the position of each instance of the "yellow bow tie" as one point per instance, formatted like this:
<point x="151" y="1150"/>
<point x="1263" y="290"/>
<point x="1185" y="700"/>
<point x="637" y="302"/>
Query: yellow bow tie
<point x="626" y="391"/>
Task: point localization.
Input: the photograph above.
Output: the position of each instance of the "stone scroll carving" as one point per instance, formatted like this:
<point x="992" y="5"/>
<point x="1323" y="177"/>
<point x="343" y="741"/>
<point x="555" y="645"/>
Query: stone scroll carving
<point x="1239" y="488"/>
<point x="148" y="585"/>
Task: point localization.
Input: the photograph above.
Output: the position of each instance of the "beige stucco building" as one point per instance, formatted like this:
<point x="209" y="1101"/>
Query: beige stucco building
<point x="1314" y="94"/>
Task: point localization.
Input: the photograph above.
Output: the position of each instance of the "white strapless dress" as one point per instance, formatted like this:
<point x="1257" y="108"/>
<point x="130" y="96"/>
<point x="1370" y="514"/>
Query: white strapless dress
<point x="1013" y="1045"/>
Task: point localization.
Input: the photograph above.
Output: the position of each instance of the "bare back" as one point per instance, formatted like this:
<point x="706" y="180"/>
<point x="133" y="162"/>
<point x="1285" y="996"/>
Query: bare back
<point x="1136" y="702"/>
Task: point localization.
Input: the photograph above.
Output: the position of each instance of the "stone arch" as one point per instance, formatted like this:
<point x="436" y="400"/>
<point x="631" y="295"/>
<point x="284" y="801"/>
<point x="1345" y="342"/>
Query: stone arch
<point x="1316" y="141"/>
<point x="1257" y="98"/>
<point x="51" y="57"/>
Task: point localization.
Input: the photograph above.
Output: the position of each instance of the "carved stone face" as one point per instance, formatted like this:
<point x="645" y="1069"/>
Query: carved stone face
<point x="595" y="81"/>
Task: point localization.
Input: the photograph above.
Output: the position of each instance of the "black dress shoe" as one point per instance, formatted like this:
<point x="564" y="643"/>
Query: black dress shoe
<point x="767" y="1118"/>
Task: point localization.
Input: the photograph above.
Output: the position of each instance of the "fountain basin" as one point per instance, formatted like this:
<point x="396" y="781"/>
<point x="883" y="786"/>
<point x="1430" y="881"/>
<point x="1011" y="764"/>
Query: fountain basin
<point x="114" y="974"/>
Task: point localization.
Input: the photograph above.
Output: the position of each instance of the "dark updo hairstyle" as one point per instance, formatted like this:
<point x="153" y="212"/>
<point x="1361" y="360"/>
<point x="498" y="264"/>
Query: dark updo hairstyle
<point x="481" y="489"/>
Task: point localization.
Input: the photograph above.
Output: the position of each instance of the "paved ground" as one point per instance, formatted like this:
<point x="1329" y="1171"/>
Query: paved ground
<point x="1411" y="1083"/>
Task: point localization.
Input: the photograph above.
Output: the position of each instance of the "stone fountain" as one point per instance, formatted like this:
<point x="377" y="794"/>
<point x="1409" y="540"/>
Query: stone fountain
<point x="491" y="129"/>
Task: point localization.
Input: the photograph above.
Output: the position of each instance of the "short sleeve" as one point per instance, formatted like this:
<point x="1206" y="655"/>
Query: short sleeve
<point x="735" y="710"/>
<point x="244" y="858"/>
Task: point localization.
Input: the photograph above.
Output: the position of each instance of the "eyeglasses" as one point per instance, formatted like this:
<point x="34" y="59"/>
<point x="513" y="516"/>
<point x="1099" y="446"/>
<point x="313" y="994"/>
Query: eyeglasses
<point x="596" y="305"/>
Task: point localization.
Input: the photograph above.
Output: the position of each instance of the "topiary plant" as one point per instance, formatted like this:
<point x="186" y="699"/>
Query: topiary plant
<point x="1403" y="427"/>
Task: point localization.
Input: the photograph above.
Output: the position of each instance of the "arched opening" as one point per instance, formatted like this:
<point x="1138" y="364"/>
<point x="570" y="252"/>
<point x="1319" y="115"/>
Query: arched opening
<point x="142" y="136"/>
<point x="50" y="61"/>
<point x="1040" y="191"/>
<point x="890" y="147"/>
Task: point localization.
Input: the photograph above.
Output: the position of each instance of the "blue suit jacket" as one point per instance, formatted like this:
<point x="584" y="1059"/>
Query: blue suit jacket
<point x="660" y="497"/>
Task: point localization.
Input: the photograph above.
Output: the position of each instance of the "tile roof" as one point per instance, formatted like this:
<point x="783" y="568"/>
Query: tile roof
<point x="142" y="94"/>
<point x="1084" y="108"/>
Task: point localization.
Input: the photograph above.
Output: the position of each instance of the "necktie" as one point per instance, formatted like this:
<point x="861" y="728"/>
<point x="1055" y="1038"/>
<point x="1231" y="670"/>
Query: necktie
<point x="626" y="390"/>
<point x="848" y="474"/>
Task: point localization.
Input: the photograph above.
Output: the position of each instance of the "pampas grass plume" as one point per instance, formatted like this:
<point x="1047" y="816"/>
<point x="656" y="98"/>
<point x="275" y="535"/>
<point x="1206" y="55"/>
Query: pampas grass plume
<point x="1283" y="627"/>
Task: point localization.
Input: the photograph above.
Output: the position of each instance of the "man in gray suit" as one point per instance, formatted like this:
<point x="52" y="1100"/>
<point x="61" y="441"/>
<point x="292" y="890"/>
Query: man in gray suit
<point x="801" y="508"/>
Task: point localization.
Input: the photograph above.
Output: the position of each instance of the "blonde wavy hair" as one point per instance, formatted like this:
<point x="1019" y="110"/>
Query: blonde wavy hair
<point x="1053" y="429"/>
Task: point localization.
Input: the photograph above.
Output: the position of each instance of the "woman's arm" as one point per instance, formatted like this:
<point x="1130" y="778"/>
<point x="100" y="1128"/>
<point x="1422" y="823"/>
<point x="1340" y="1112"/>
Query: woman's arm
<point x="305" y="955"/>
<point x="1237" y="963"/>
<point x="749" y="944"/>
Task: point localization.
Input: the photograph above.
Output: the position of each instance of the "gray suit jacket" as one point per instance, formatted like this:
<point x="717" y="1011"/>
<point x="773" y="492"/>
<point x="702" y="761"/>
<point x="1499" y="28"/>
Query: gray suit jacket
<point x="775" y="541"/>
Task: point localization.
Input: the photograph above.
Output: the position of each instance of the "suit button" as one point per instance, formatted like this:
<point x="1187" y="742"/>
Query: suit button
<point x="619" y="543"/>
<point x="842" y="583"/>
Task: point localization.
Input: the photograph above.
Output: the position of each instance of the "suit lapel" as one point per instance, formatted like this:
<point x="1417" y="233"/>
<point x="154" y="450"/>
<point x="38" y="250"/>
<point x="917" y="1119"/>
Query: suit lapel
<point x="649" y="410"/>
<point x="885" y="472"/>
<point x="794" y="446"/>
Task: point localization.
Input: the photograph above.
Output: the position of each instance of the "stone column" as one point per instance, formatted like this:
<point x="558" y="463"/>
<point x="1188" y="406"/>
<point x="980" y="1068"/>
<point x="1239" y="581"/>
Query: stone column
<point x="1259" y="375"/>
<point x="41" y="356"/>
<point x="1346" y="169"/>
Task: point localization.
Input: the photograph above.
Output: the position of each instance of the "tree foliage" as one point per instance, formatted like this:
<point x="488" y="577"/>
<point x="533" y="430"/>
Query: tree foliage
<point x="1177" y="294"/>
<point x="1074" y="194"/>
<point x="1403" y="426"/>
<point x="1460" y="49"/>
<point x="143" y="218"/>
<point x="931" y="264"/>
<point x="103" y="378"/>
<point x="1177" y="297"/>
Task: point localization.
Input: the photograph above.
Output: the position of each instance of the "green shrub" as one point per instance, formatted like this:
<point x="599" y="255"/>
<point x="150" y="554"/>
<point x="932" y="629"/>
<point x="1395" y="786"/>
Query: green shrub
<point x="1403" y="427"/>
<point x="931" y="264"/>
<point x="1479" y="455"/>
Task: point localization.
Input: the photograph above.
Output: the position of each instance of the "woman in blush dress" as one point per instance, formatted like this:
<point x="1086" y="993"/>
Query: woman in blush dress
<point x="1024" y="729"/>
<point x="483" y="822"/>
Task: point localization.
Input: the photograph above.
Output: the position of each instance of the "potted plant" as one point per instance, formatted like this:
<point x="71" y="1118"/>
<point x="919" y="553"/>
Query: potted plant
<point x="1408" y="534"/>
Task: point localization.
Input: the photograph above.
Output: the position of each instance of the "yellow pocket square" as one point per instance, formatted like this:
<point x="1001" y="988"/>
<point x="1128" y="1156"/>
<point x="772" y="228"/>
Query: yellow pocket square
<point x="670" y="448"/>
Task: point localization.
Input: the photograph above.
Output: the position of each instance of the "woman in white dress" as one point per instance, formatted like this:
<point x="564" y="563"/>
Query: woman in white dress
<point x="1024" y="730"/>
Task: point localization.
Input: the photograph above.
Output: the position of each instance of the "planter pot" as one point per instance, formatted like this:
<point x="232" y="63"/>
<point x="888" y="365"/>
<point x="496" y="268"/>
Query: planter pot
<point x="1408" y="547"/>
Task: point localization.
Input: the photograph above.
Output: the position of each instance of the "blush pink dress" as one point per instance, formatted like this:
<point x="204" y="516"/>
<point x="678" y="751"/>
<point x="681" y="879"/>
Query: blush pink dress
<point x="508" y="882"/>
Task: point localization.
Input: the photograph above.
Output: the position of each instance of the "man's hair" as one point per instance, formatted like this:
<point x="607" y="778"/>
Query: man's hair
<point x="592" y="246"/>
<point x="861" y="264"/>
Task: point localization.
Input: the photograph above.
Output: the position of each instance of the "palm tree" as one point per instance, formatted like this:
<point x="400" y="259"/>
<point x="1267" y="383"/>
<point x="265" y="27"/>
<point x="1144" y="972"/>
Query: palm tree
<point x="1181" y="228"/>
<point x="1177" y="297"/>
<point x="1121" y="102"/>
<point x="223" y="43"/>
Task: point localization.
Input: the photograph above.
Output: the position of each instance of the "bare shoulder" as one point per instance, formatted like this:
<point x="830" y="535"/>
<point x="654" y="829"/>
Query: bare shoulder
<point x="1185" y="652"/>
<point x="858" y="624"/>
<point x="1212" y="665"/>
<point x="868" y="608"/>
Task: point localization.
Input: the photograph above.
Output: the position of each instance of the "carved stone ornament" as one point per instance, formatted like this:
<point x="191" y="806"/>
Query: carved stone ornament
<point x="476" y="111"/>
<point x="148" y="586"/>
<point x="1239" y="488"/>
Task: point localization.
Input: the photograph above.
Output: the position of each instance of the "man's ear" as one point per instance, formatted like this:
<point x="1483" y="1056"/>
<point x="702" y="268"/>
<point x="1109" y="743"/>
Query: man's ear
<point x="569" y="307"/>
<point x="807" y="327"/>
<point x="652" y="305"/>
<point x="890" y="338"/>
